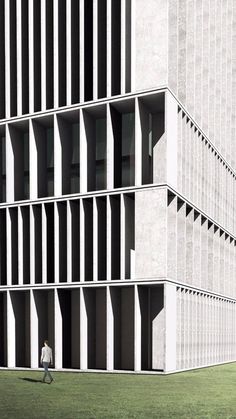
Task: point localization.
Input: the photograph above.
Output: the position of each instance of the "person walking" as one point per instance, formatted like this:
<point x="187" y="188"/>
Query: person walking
<point x="46" y="359"/>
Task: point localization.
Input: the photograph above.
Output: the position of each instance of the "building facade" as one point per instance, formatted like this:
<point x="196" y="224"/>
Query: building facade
<point x="118" y="183"/>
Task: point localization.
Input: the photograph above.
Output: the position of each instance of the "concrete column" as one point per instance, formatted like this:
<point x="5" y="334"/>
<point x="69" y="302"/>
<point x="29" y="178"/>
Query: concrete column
<point x="137" y="331"/>
<point x="58" y="331"/>
<point x="11" y="333"/>
<point x="20" y="247"/>
<point x="10" y="184"/>
<point x="171" y="128"/>
<point x="197" y="249"/>
<point x="151" y="253"/>
<point x="138" y="144"/>
<point x="19" y="56"/>
<point x="110" y="331"/>
<point x="43" y="56"/>
<point x="133" y="46"/>
<point x="44" y="245"/>
<point x="178" y="331"/>
<point x="108" y="261"/>
<point x="57" y="159"/>
<point x="122" y="237"/>
<point x="82" y="242"/>
<point x="56" y="243"/>
<point x="83" y="154"/>
<point x="123" y="46"/>
<point x="189" y="244"/>
<point x="81" y="50"/>
<point x="32" y="246"/>
<point x="9" y="250"/>
<point x="68" y="53"/>
<point x="33" y="163"/>
<point x="95" y="240"/>
<point x="172" y="237"/>
<point x="110" y="150"/>
<point x="7" y="60"/>
<point x="34" y="339"/>
<point x="170" y="326"/>
<point x="31" y="56"/>
<point x="95" y="49"/>
<point x="83" y="332"/>
<point x="69" y="242"/>
<point x="109" y="52"/>
<point x="56" y="52"/>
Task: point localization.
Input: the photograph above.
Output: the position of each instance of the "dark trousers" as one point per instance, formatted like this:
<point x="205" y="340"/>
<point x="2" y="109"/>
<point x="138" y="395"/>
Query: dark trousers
<point x="46" y="372"/>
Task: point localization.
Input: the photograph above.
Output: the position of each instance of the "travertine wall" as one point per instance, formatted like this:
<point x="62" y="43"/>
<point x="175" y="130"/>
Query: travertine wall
<point x="206" y="329"/>
<point x="190" y="46"/>
<point x="203" y="176"/>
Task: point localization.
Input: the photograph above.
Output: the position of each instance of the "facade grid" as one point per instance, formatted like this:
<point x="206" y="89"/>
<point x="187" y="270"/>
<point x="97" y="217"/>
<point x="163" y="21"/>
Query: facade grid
<point x="117" y="184"/>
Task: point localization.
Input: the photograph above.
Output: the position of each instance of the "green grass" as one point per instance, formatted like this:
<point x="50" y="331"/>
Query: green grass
<point x="206" y="393"/>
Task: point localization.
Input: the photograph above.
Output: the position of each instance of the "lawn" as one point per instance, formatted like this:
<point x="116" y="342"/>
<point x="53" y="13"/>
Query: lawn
<point x="206" y="393"/>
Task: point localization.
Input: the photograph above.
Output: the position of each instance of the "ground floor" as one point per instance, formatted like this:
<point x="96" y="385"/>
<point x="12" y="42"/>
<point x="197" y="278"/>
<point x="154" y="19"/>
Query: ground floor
<point x="157" y="326"/>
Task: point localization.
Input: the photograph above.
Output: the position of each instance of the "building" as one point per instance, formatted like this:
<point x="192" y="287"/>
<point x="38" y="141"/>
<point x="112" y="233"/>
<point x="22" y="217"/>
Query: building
<point x="117" y="214"/>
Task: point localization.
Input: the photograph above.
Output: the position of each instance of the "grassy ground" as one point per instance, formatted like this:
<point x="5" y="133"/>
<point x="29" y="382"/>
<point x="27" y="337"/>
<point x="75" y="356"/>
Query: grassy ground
<point x="206" y="393"/>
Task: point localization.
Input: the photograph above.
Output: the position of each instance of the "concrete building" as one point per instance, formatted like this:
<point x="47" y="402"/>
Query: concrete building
<point x="117" y="191"/>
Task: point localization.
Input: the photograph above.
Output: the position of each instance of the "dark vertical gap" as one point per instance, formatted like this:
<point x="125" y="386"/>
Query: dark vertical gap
<point x="25" y="58"/>
<point x="19" y="307"/>
<point x="62" y="52"/>
<point x="90" y="301"/>
<point x="117" y="130"/>
<point x="75" y="51"/>
<point x="143" y="298"/>
<point x="37" y="56"/>
<point x="3" y="168"/>
<point x="128" y="149"/>
<point x="62" y="242"/>
<point x="100" y="326"/>
<point x="38" y="243"/>
<point x="116" y="47"/>
<point x="115" y="237"/>
<point x="65" y="305"/>
<point x="100" y="153"/>
<point x="102" y="216"/>
<point x="1" y="330"/>
<point x="102" y="48"/>
<point x="3" y="248"/>
<point x="129" y="232"/>
<point x="26" y="245"/>
<point x="41" y="301"/>
<point x="14" y="244"/>
<point x="50" y="160"/>
<point x="88" y="209"/>
<point x="49" y="55"/>
<point x="13" y="73"/>
<point x="50" y="242"/>
<point x="127" y="328"/>
<point x="116" y="307"/>
<point x="88" y="50"/>
<point x="2" y="60"/>
<point x="90" y="128"/>
<point x="25" y="136"/>
<point x="75" y="159"/>
<point x="75" y="213"/>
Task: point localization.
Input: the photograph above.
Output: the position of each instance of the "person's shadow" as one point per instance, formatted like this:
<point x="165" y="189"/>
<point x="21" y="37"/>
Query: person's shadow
<point x="31" y="380"/>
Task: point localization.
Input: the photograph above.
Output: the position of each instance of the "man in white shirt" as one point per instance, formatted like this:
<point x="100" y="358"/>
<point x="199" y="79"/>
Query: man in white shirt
<point x="46" y="358"/>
